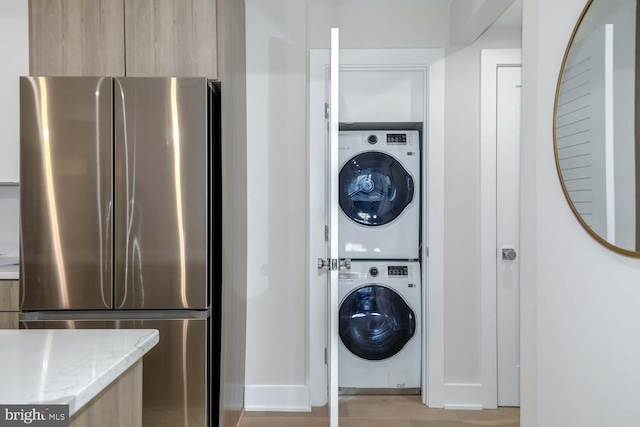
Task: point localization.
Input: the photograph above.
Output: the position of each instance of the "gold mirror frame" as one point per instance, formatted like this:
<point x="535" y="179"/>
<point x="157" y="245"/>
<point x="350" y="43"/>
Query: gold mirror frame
<point x="597" y="237"/>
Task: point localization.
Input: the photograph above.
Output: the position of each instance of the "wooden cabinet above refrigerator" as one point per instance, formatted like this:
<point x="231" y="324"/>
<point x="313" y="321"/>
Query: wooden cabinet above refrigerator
<point x="76" y="38"/>
<point x="170" y="38"/>
<point x="118" y="38"/>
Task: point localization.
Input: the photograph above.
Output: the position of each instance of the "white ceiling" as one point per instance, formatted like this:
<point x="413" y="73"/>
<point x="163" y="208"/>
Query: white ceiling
<point x="366" y="2"/>
<point x="512" y="17"/>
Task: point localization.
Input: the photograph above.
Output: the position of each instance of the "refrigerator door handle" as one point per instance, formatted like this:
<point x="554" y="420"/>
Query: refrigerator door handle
<point x="122" y="169"/>
<point x="107" y="267"/>
<point x="104" y="188"/>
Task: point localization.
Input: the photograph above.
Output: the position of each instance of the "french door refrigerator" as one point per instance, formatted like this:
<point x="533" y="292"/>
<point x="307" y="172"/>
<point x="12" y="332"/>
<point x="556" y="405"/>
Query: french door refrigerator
<point x="120" y="222"/>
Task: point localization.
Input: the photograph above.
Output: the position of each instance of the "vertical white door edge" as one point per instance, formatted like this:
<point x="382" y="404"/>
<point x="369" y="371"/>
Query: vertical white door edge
<point x="431" y="61"/>
<point x="331" y="177"/>
<point x="491" y="59"/>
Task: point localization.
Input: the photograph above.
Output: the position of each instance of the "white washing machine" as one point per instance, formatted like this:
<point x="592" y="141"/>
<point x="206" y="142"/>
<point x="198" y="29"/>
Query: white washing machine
<point x="380" y="333"/>
<point x="379" y="194"/>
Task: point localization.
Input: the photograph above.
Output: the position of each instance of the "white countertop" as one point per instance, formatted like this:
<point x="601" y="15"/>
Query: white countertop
<point x="66" y="366"/>
<point x="9" y="272"/>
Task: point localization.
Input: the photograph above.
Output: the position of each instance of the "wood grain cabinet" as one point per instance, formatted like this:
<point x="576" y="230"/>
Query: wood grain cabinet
<point x="76" y="38"/>
<point x="9" y="304"/>
<point x="119" y="405"/>
<point x="171" y="38"/>
<point x="123" y="37"/>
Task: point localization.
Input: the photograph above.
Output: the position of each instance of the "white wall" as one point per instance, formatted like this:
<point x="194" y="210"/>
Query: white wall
<point x="462" y="198"/>
<point x="279" y="33"/>
<point x="276" y="159"/>
<point x="14" y="50"/>
<point x="579" y="301"/>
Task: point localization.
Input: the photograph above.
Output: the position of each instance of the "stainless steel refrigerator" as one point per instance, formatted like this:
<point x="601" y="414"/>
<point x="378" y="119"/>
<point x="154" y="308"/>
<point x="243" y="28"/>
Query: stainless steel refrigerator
<point x="120" y="222"/>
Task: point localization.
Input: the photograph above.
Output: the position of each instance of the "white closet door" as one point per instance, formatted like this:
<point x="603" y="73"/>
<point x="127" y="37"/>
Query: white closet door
<point x="507" y="208"/>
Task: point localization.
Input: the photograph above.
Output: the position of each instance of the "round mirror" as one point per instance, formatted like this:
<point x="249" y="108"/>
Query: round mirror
<point x="595" y="124"/>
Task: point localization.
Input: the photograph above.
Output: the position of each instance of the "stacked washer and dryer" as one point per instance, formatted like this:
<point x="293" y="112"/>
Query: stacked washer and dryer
<point x="381" y="294"/>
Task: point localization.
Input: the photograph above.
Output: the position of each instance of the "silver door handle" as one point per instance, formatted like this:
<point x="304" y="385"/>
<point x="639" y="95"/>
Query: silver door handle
<point x="322" y="263"/>
<point x="332" y="264"/>
<point x="329" y="263"/>
<point x="509" y="254"/>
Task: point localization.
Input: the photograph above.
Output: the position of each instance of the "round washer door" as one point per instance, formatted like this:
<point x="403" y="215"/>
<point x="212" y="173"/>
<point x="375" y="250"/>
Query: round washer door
<point x="374" y="188"/>
<point x="375" y="322"/>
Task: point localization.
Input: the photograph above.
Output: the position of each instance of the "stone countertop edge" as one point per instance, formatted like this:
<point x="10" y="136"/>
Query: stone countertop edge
<point x="78" y="364"/>
<point x="9" y="272"/>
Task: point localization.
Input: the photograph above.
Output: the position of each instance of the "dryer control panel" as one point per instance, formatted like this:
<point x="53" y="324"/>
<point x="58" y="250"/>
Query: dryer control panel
<point x="398" y="271"/>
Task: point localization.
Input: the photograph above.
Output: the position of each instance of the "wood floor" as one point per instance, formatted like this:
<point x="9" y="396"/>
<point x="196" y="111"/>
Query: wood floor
<point x="386" y="411"/>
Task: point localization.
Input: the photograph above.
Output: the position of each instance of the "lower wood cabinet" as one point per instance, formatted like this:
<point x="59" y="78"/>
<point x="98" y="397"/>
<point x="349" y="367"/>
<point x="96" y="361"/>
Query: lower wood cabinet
<point x="119" y="405"/>
<point x="9" y="304"/>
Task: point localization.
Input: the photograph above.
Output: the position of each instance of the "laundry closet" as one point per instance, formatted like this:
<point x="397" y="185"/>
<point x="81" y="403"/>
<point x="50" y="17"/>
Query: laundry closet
<point x="405" y="300"/>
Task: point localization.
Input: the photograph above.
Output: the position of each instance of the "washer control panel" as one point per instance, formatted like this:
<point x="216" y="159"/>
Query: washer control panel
<point x="366" y="271"/>
<point x="397" y="138"/>
<point x="400" y="139"/>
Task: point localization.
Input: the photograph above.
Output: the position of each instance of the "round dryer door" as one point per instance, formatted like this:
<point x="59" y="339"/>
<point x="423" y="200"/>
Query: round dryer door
<point x="375" y="322"/>
<point x="374" y="188"/>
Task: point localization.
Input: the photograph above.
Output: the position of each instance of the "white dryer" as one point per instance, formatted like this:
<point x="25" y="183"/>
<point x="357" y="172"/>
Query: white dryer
<point x="380" y="332"/>
<point x="379" y="195"/>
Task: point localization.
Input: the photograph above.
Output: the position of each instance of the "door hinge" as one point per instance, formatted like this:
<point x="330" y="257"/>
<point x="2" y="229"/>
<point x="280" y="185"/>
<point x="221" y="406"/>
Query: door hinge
<point x="326" y="233"/>
<point x="426" y="252"/>
<point x="325" y="356"/>
<point x="326" y="110"/>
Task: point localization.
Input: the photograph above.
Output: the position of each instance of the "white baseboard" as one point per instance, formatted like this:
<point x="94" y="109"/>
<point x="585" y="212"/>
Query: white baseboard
<point x="463" y="396"/>
<point x="277" y="398"/>
<point x="464" y="407"/>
